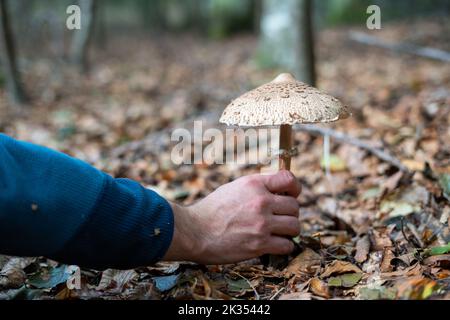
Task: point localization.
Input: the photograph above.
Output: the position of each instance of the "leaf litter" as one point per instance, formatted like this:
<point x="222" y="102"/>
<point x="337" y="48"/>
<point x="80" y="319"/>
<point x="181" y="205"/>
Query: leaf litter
<point x="368" y="232"/>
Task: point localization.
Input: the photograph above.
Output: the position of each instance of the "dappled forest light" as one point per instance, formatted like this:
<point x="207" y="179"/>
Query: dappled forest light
<point x="111" y="89"/>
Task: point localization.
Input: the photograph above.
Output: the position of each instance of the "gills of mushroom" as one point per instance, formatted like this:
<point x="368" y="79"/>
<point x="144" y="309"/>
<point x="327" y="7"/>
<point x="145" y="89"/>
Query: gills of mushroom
<point x="283" y="102"/>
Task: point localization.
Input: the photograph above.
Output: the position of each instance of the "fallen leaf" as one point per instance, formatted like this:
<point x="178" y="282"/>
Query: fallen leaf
<point x="414" y="165"/>
<point x="116" y="279"/>
<point x="319" y="288"/>
<point x="392" y="182"/>
<point x="398" y="208"/>
<point x="238" y="286"/>
<point x="405" y="201"/>
<point x="438" y="250"/>
<point x="380" y="293"/>
<point x="347" y="280"/>
<point x="362" y="249"/>
<point x="380" y="239"/>
<point x="386" y="265"/>
<point x="442" y="261"/>
<point x="414" y="270"/>
<point x="354" y="159"/>
<point x="47" y="278"/>
<point x="339" y="267"/>
<point x="407" y="259"/>
<point x="371" y="193"/>
<point x="306" y="262"/>
<point x="296" y="296"/>
<point x="12" y="274"/>
<point x="417" y="288"/>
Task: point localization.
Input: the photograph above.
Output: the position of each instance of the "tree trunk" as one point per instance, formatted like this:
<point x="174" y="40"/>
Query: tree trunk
<point x="257" y="7"/>
<point x="80" y="42"/>
<point x="287" y="37"/>
<point x="305" y="62"/>
<point x="15" y="90"/>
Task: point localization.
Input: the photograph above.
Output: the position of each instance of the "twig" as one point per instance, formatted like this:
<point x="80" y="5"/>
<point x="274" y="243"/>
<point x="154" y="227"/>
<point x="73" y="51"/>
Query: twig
<point x="277" y="293"/>
<point x="426" y="52"/>
<point x="257" y="297"/>
<point x="384" y="155"/>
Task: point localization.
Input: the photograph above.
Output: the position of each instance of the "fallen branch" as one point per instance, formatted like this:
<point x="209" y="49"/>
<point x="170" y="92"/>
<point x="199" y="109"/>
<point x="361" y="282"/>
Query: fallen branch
<point x="426" y="52"/>
<point x="384" y="155"/>
<point x="156" y="142"/>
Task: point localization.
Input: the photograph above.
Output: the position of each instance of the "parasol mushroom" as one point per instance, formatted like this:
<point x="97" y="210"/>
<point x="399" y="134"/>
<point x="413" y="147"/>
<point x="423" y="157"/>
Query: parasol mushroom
<point x="283" y="102"/>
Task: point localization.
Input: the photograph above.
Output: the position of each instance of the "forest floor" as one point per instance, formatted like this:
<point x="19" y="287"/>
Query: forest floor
<point x="369" y="231"/>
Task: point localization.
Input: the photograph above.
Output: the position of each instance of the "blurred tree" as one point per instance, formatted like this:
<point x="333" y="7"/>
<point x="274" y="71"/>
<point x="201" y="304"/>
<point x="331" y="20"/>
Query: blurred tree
<point x="15" y="90"/>
<point x="257" y="7"/>
<point x="304" y="46"/>
<point x="79" y="49"/>
<point x="186" y="14"/>
<point x="287" y="37"/>
<point x="100" y="36"/>
<point x="230" y="16"/>
<point x="152" y="13"/>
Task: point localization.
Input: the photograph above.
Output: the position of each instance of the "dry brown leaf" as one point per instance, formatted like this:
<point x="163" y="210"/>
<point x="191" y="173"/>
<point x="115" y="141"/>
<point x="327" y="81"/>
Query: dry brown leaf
<point x="354" y="158"/>
<point x="319" y="288"/>
<point x="296" y="296"/>
<point x="385" y="265"/>
<point x="306" y="263"/>
<point x="392" y="182"/>
<point x="442" y="261"/>
<point x="416" y="288"/>
<point x="380" y="239"/>
<point x="414" y="270"/>
<point x="339" y="267"/>
<point x="12" y="274"/>
<point x="116" y="279"/>
<point x="362" y="249"/>
<point x="407" y="258"/>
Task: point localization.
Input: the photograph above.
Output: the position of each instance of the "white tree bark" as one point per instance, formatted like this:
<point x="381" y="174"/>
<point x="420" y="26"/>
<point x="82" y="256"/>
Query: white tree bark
<point x="287" y="37"/>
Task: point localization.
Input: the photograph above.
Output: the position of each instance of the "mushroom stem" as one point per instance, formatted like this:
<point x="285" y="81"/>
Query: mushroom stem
<point x="284" y="160"/>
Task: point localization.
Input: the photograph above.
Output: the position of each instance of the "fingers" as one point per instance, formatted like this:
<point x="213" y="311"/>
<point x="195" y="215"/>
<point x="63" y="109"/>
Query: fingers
<point x="282" y="182"/>
<point x="280" y="246"/>
<point x="285" y="226"/>
<point x="284" y="205"/>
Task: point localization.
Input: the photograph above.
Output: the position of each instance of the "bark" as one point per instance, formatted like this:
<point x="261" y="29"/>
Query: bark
<point x="15" y="90"/>
<point x="305" y="62"/>
<point x="287" y="37"/>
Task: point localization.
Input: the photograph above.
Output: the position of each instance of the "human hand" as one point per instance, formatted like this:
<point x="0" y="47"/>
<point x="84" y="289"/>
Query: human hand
<point x="241" y="220"/>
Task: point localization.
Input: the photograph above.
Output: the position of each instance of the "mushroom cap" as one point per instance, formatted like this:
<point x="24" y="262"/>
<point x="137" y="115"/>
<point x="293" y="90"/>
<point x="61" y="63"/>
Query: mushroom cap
<point x="283" y="101"/>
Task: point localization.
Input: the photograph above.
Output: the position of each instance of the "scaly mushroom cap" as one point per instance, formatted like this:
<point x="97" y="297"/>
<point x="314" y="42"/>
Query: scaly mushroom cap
<point x="283" y="101"/>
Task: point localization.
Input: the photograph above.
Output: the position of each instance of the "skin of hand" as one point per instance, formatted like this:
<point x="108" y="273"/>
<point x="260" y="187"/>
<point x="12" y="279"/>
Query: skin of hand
<point x="241" y="220"/>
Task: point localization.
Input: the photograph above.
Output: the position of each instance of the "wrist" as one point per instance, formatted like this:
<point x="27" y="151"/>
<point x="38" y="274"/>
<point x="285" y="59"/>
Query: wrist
<point x="186" y="243"/>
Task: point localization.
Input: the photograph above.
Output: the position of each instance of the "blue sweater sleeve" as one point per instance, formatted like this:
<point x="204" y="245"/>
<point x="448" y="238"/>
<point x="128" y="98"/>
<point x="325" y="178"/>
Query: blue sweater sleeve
<point x="55" y="206"/>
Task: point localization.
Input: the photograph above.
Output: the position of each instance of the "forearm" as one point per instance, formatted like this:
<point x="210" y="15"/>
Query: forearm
<point x="59" y="207"/>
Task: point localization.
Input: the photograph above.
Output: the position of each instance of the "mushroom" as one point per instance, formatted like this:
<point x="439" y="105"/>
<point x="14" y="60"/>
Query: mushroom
<point x="283" y="102"/>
